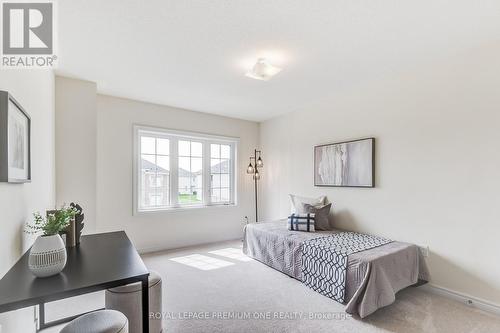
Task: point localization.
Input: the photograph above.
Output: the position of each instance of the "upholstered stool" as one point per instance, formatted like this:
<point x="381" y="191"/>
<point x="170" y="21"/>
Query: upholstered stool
<point x="103" y="321"/>
<point x="127" y="299"/>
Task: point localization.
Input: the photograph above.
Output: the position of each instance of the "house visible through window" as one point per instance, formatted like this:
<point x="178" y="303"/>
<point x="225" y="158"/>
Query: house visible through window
<point x="190" y="172"/>
<point x="182" y="170"/>
<point x="220" y="172"/>
<point x="154" y="173"/>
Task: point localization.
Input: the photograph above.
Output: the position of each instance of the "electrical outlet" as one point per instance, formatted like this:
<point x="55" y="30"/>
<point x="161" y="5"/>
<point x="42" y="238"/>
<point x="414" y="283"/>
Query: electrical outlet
<point x="424" y="250"/>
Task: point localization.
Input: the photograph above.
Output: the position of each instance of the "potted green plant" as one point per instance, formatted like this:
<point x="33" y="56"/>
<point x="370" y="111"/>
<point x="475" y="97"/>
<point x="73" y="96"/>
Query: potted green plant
<point x="48" y="253"/>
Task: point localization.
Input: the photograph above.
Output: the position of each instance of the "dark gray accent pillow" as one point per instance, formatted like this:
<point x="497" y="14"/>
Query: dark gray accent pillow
<point x="321" y="215"/>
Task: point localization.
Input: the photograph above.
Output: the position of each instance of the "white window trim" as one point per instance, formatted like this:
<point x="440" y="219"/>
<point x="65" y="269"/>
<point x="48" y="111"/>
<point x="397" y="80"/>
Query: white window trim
<point x="206" y="139"/>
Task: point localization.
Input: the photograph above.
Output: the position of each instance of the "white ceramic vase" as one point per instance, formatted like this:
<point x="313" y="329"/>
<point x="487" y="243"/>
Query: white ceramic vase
<point x="47" y="256"/>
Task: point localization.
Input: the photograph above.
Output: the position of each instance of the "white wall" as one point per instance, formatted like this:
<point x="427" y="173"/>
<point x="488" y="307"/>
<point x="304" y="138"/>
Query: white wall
<point x="437" y="163"/>
<point x="35" y="92"/>
<point x="151" y="231"/>
<point x="76" y="148"/>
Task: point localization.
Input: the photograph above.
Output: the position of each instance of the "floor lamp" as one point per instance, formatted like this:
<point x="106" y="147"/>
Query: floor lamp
<point x="253" y="169"/>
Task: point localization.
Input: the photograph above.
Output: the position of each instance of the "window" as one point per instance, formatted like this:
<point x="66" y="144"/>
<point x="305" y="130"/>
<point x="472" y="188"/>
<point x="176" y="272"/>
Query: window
<point x="190" y="172"/>
<point x="182" y="170"/>
<point x="154" y="185"/>
<point x="220" y="173"/>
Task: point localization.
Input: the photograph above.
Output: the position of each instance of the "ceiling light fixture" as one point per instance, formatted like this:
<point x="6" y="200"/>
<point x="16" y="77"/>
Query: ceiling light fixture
<point x="263" y="70"/>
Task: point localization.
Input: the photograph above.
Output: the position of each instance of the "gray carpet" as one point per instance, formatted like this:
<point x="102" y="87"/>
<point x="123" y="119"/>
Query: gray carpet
<point x="202" y="289"/>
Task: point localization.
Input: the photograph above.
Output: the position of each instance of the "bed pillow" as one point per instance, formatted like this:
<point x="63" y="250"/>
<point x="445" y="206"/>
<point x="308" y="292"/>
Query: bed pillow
<point x="321" y="213"/>
<point x="301" y="222"/>
<point x="297" y="203"/>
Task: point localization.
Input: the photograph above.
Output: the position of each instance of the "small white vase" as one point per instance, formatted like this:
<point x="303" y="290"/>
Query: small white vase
<point x="47" y="256"/>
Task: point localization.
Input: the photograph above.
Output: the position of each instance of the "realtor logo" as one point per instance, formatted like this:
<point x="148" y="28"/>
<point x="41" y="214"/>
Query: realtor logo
<point x="27" y="34"/>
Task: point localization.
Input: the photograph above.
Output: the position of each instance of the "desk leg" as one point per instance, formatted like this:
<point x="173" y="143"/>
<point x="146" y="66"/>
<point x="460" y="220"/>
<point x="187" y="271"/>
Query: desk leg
<point x="41" y="316"/>
<point x="145" y="305"/>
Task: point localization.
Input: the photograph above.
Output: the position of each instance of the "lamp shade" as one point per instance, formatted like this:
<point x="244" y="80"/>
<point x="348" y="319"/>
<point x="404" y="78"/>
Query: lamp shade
<point x="250" y="169"/>
<point x="256" y="175"/>
<point x="259" y="162"/>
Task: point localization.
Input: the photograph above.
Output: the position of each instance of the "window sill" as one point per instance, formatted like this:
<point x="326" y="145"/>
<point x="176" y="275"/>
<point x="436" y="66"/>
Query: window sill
<point x="182" y="209"/>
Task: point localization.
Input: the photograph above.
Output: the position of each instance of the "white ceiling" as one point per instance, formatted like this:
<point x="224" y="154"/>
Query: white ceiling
<point x="193" y="53"/>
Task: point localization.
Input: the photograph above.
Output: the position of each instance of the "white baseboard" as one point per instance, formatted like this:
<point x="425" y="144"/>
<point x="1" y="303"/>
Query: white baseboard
<point x="468" y="300"/>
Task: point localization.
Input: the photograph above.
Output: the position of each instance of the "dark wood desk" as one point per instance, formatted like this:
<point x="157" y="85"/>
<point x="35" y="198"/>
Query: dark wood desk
<point x="101" y="261"/>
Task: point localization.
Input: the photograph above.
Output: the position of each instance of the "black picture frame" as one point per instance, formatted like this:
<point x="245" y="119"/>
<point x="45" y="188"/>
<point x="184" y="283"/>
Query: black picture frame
<point x="372" y="183"/>
<point x="5" y="175"/>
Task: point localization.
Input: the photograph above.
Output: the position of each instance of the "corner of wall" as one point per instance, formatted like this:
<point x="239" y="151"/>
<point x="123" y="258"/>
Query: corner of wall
<point x="76" y="145"/>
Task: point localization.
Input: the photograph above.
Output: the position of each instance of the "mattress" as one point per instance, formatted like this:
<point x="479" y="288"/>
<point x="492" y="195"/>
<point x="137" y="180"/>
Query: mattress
<point x="373" y="276"/>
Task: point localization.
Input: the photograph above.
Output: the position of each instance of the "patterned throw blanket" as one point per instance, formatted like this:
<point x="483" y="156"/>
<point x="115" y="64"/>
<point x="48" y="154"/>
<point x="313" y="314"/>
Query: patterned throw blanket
<point x="324" y="260"/>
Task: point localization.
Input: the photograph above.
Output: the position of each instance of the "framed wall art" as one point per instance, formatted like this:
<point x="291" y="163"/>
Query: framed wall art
<point x="15" y="128"/>
<point x="345" y="164"/>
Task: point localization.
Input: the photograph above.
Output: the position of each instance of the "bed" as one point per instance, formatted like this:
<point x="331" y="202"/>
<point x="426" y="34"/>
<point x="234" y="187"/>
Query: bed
<point x="373" y="277"/>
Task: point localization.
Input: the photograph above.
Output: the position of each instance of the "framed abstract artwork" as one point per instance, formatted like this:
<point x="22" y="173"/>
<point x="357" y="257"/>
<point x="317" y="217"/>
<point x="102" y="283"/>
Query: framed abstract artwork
<point x="15" y="127"/>
<point x="345" y="164"/>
